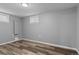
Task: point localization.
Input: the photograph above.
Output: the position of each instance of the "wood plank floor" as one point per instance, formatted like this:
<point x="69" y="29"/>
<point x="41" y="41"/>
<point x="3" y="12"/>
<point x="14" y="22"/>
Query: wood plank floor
<point x="24" y="47"/>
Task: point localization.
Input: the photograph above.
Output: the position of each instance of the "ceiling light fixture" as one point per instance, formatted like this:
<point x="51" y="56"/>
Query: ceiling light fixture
<point x="24" y="4"/>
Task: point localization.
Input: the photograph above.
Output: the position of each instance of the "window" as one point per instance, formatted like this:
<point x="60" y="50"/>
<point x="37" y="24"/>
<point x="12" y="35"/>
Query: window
<point x="34" y="19"/>
<point x="4" y="18"/>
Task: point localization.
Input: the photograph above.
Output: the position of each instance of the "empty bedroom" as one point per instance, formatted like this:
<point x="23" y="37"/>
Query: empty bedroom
<point x="39" y="28"/>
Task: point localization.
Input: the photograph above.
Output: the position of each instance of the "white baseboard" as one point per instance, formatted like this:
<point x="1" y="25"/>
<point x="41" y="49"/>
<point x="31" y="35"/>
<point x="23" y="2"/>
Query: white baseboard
<point x="10" y="41"/>
<point x="42" y="43"/>
<point x="53" y="45"/>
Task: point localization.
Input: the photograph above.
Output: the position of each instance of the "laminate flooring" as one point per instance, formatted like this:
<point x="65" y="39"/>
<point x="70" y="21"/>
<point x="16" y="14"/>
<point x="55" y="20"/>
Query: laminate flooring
<point x="24" y="47"/>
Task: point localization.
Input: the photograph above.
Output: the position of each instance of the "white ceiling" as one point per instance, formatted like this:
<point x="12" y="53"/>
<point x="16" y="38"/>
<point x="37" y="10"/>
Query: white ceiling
<point x="34" y="8"/>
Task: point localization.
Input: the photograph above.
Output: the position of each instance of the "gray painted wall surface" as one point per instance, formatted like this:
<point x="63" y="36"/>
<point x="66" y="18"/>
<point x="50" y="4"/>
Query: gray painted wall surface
<point x="77" y="26"/>
<point x="54" y="27"/>
<point x="17" y="23"/>
<point x="6" y="28"/>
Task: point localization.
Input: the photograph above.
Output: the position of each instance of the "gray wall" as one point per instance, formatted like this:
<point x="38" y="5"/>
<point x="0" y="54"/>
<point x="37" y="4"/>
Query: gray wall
<point x="17" y="23"/>
<point x="54" y="27"/>
<point x="6" y="28"/>
<point x="77" y="26"/>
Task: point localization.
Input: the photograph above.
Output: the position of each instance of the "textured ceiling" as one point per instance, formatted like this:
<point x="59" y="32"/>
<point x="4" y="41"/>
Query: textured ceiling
<point x="33" y="8"/>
